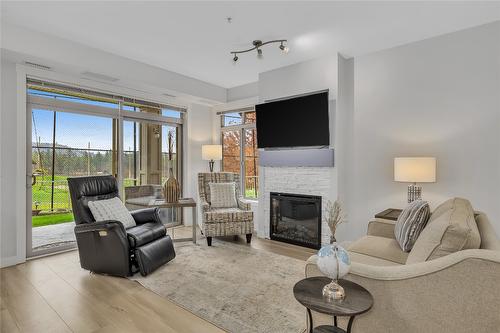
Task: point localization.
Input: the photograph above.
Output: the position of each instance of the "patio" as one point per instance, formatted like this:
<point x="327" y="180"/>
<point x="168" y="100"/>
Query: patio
<point x="53" y="235"/>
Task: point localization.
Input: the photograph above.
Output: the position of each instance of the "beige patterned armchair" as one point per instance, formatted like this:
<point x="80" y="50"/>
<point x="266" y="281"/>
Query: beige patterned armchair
<point x="223" y="221"/>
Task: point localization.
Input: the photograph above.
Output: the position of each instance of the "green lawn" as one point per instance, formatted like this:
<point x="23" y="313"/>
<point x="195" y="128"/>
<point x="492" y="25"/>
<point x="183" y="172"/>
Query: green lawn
<point x="42" y="193"/>
<point x="41" y="220"/>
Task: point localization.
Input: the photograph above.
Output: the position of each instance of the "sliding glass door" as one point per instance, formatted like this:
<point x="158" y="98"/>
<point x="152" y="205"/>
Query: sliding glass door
<point x="77" y="135"/>
<point x="63" y="144"/>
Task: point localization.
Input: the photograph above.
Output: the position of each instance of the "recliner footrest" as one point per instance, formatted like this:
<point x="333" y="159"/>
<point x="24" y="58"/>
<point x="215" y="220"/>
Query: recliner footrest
<point x="155" y="254"/>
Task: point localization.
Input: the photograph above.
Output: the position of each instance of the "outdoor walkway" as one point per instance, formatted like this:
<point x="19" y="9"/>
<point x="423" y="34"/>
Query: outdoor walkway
<point x="53" y="235"/>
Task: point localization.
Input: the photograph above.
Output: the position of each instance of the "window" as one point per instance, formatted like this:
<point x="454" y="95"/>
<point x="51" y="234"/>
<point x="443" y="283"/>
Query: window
<point x="239" y="149"/>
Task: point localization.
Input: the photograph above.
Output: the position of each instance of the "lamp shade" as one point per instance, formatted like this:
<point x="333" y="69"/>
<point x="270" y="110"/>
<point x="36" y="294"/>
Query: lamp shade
<point x="415" y="169"/>
<point x="211" y="152"/>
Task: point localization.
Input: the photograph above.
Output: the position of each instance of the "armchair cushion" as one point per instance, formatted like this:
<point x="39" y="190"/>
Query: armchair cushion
<point x="223" y="195"/>
<point x="223" y="215"/>
<point x="145" y="233"/>
<point x="379" y="247"/>
<point x="111" y="209"/>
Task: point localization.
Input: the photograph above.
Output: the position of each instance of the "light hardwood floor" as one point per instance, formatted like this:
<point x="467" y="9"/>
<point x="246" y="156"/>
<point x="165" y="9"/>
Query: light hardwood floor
<point x="53" y="294"/>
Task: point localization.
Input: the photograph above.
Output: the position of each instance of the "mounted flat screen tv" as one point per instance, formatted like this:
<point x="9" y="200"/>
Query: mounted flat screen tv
<point x="295" y="122"/>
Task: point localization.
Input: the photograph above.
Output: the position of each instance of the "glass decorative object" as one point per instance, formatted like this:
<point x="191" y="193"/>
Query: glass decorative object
<point x="333" y="262"/>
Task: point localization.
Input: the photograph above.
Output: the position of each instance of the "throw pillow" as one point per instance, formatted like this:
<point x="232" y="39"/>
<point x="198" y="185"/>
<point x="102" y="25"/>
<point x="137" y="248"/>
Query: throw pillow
<point x="223" y="195"/>
<point x="111" y="209"/>
<point x="410" y="224"/>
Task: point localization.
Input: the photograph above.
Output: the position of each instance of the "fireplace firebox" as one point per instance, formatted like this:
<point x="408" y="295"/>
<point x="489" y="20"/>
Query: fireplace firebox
<point x="296" y="219"/>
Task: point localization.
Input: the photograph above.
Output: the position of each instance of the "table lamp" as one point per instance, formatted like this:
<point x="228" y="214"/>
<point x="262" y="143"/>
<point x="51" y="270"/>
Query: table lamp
<point x="415" y="170"/>
<point x="211" y="153"/>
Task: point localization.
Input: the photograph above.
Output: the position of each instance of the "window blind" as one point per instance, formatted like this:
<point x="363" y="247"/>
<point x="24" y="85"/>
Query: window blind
<point x="96" y="95"/>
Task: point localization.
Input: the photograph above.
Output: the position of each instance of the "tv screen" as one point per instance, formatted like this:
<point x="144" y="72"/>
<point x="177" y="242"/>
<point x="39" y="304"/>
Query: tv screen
<point x="295" y="122"/>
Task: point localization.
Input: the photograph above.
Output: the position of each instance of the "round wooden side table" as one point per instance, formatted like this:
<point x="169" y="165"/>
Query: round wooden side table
<point x="309" y="293"/>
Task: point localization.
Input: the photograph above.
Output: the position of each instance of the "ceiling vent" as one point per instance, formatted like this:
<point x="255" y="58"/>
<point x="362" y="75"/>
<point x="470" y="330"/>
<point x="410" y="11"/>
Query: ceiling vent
<point x="38" y="66"/>
<point x="99" y="77"/>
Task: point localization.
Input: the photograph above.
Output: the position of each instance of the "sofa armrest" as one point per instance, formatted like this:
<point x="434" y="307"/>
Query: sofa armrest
<point x="244" y="205"/>
<point x="146" y="215"/>
<point x="402" y="272"/>
<point x="454" y="293"/>
<point x="381" y="228"/>
<point x="205" y="206"/>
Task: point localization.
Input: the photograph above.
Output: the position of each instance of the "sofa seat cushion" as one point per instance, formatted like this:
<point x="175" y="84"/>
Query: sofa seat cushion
<point x="379" y="247"/>
<point x="451" y="228"/>
<point x="145" y="233"/>
<point x="224" y="215"/>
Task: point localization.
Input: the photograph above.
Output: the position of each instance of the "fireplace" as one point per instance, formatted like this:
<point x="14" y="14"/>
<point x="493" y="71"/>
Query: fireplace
<point x="296" y="219"/>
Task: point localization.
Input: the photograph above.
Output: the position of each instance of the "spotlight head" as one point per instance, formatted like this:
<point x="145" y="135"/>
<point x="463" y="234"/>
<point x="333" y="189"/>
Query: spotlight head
<point x="284" y="49"/>
<point x="259" y="53"/>
<point x="235" y="59"/>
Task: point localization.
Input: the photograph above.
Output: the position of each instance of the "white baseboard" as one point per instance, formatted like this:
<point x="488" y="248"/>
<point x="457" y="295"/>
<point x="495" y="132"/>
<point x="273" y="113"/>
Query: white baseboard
<point x="10" y="261"/>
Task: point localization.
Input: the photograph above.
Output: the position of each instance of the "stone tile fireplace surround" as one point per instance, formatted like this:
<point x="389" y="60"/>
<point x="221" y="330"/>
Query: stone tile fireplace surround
<point x="318" y="181"/>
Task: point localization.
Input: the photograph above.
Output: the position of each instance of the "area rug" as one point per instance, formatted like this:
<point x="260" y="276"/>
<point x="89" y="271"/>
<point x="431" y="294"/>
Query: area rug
<point x="237" y="288"/>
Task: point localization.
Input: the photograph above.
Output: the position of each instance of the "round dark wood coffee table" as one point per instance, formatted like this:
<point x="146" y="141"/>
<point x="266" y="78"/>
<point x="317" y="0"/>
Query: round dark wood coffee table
<point x="309" y="293"/>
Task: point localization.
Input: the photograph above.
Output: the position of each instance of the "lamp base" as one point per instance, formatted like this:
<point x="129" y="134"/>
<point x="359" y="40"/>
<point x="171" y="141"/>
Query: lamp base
<point x="211" y="165"/>
<point x="333" y="291"/>
<point x="414" y="193"/>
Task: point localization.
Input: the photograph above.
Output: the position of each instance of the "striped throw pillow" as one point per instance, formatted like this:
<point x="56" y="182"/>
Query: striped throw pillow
<point x="410" y="224"/>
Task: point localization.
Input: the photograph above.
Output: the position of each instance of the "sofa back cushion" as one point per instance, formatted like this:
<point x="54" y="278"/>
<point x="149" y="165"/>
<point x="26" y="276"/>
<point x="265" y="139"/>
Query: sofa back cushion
<point x="451" y="228"/>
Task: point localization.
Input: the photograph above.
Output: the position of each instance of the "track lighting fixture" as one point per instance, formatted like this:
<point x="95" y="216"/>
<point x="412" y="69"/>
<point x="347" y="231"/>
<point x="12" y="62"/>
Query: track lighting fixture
<point x="257" y="44"/>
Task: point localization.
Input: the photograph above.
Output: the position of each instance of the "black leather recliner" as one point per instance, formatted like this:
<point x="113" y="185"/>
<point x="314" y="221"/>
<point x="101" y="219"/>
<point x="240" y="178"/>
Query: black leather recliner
<point x="105" y="246"/>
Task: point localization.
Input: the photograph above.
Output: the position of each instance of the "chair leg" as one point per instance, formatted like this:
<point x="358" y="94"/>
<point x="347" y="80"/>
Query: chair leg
<point x="209" y="241"/>
<point x="249" y="238"/>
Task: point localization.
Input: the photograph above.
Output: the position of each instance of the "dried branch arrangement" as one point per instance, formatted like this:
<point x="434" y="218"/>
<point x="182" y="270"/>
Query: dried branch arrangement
<point x="334" y="217"/>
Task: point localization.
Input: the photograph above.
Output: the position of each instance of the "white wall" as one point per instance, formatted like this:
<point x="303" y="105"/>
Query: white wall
<point x="199" y="131"/>
<point x="304" y="77"/>
<point x="343" y="137"/>
<point x="8" y="161"/>
<point x="438" y="97"/>
<point x="243" y="92"/>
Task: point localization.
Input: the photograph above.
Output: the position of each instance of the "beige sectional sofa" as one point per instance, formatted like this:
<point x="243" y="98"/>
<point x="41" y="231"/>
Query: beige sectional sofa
<point x="448" y="282"/>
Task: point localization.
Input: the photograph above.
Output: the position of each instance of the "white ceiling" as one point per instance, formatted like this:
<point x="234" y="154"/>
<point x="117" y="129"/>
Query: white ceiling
<point x="194" y="39"/>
